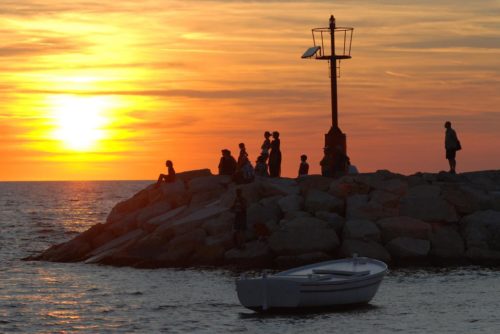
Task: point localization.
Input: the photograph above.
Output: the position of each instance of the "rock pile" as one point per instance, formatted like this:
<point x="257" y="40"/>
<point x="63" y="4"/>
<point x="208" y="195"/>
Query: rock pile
<point x="436" y="219"/>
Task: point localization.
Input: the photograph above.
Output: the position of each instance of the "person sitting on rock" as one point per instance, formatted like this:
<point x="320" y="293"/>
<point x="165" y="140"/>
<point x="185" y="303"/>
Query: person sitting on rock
<point x="304" y="166"/>
<point x="170" y="177"/>
<point x="261" y="166"/>
<point x="227" y="164"/>
<point x="244" y="170"/>
<point x="240" y="219"/>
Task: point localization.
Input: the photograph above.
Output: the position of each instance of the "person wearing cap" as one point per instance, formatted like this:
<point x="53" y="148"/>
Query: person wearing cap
<point x="227" y="163"/>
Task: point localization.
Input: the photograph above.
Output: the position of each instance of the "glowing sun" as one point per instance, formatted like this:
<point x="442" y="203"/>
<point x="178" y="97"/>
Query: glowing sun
<point x="79" y="121"/>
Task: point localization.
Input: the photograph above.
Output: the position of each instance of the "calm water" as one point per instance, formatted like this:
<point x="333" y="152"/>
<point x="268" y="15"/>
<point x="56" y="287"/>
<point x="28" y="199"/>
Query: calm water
<point x="55" y="297"/>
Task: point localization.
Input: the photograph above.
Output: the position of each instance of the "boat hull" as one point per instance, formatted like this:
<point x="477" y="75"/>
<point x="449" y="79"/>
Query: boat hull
<point x="302" y="291"/>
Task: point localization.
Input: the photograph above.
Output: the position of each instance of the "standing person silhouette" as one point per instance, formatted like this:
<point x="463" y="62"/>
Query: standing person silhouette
<point x="266" y="145"/>
<point x="451" y="145"/>
<point x="304" y="166"/>
<point x="275" y="156"/>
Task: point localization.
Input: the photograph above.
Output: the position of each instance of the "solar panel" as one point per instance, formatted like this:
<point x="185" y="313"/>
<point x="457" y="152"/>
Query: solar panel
<point x="311" y="52"/>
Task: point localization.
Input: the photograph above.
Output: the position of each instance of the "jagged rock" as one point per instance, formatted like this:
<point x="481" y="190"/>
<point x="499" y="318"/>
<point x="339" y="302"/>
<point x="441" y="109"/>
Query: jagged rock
<point x="189" y="222"/>
<point x="279" y="187"/>
<point x="384" y="198"/>
<point x="295" y="214"/>
<point x="175" y="193"/>
<point x="481" y="231"/>
<point x="136" y="202"/>
<point x="291" y="203"/>
<point x="219" y="225"/>
<point x="153" y="210"/>
<point x="424" y="202"/>
<point x="163" y="218"/>
<point x="288" y="261"/>
<point x="332" y="218"/>
<point x="367" y="248"/>
<point x="361" y="229"/>
<point x="200" y="199"/>
<point x="317" y="200"/>
<point x="410" y="249"/>
<point x="465" y="199"/>
<point x="263" y="217"/>
<point x="187" y="176"/>
<point x="361" y="207"/>
<point x="135" y="234"/>
<point x="208" y="183"/>
<point x="395" y="227"/>
<point x="349" y="185"/>
<point x="304" y="235"/>
<point x="446" y="244"/>
<point x="183" y="246"/>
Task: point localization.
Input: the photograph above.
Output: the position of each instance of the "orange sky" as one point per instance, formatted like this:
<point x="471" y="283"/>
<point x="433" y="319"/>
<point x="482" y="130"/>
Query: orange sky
<point x="95" y="91"/>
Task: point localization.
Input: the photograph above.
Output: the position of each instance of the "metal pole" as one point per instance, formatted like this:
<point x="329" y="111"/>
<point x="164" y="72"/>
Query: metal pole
<point x="333" y="75"/>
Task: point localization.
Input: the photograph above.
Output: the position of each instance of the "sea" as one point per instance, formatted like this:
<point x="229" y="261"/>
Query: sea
<point x="44" y="297"/>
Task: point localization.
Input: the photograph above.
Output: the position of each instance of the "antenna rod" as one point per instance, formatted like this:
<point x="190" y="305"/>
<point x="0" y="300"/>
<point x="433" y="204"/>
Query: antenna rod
<point x="333" y="75"/>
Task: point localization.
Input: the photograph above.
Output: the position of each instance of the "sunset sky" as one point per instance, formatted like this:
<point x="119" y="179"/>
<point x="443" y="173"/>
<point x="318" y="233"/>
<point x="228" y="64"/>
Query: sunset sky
<point x="110" y="90"/>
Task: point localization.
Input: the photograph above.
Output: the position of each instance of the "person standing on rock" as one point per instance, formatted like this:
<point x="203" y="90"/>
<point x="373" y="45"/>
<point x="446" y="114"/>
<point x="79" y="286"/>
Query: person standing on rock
<point x="275" y="156"/>
<point x="304" y="166"/>
<point x="266" y="146"/>
<point x="170" y="177"/>
<point x="240" y="219"/>
<point x="227" y="163"/>
<point x="452" y="145"/>
<point x="326" y="163"/>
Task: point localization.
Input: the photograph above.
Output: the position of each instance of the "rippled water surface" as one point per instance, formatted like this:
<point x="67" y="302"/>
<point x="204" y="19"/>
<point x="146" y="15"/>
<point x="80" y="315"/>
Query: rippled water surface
<point x="59" y="297"/>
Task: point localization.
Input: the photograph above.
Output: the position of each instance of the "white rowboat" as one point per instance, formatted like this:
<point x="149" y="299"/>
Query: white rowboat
<point x="330" y="283"/>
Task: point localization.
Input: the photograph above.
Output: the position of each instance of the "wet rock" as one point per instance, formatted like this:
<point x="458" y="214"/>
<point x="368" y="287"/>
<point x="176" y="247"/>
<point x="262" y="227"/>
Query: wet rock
<point x="447" y="246"/>
<point x="481" y="231"/>
<point x="254" y="253"/>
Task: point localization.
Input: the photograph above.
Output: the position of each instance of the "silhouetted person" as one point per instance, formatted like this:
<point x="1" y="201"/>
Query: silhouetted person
<point x="351" y="169"/>
<point x="261" y="166"/>
<point x="275" y="156"/>
<point x="452" y="145"/>
<point x="339" y="162"/>
<point x="304" y="166"/>
<point x="239" y="208"/>
<point x="227" y="163"/>
<point x="170" y="177"/>
<point x="327" y="162"/>
<point x="266" y="146"/>
<point x="244" y="169"/>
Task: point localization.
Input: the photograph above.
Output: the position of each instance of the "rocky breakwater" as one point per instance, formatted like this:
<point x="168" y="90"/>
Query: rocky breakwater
<point x="403" y="220"/>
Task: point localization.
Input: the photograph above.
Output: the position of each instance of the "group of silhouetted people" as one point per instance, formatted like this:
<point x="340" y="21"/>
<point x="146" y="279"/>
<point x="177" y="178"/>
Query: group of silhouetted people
<point x="335" y="162"/>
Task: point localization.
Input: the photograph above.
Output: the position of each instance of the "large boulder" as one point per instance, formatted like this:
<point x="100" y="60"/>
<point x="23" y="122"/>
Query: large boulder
<point x="317" y="182"/>
<point x="447" y="246"/>
<point x="304" y="235"/>
<point x="349" y="185"/>
<point x="361" y="229"/>
<point x="332" y="218"/>
<point x="362" y="207"/>
<point x="189" y="175"/>
<point x="153" y="210"/>
<point x="317" y="200"/>
<point x="220" y="224"/>
<point x="291" y="203"/>
<point x="287" y="261"/>
<point x="263" y="217"/>
<point x="481" y="231"/>
<point x="367" y="248"/>
<point x="396" y="227"/>
<point x="465" y="199"/>
<point x="408" y="249"/>
<point x="425" y="202"/>
<point x="208" y="183"/>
